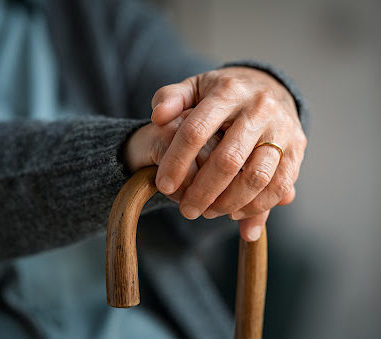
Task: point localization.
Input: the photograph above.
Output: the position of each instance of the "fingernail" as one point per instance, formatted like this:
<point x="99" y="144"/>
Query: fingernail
<point x="238" y="215"/>
<point x="210" y="214"/>
<point x="254" y="233"/>
<point x="166" y="185"/>
<point x="190" y="212"/>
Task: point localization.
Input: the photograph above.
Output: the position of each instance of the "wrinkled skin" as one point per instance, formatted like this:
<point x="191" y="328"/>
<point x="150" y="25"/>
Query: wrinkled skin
<point x="203" y="136"/>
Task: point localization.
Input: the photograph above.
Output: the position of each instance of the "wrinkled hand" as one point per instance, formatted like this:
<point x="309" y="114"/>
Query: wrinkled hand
<point x="148" y="144"/>
<point x="246" y="106"/>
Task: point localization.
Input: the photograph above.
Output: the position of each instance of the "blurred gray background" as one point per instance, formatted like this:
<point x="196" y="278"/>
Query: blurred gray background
<point x="333" y="51"/>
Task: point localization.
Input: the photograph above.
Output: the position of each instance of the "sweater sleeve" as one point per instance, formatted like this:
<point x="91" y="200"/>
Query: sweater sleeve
<point x="58" y="180"/>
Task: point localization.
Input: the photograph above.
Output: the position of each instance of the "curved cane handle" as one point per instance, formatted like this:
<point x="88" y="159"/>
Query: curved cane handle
<point x="122" y="281"/>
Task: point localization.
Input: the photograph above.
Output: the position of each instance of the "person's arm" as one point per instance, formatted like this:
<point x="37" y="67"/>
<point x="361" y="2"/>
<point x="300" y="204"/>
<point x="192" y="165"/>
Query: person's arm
<point x="58" y="180"/>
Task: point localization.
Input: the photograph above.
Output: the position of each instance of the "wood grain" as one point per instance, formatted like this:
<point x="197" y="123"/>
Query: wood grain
<point x="122" y="282"/>
<point x="251" y="288"/>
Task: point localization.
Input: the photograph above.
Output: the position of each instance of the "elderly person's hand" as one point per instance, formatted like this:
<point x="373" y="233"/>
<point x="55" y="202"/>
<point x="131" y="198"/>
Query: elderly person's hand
<point x="247" y="107"/>
<point x="149" y="143"/>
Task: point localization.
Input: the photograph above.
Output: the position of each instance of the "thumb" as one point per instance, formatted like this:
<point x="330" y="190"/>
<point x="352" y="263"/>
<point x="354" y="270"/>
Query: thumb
<point x="251" y="228"/>
<point x="170" y="101"/>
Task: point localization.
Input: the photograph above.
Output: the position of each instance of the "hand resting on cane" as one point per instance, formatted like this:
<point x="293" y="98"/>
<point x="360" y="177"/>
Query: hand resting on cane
<point x="225" y="174"/>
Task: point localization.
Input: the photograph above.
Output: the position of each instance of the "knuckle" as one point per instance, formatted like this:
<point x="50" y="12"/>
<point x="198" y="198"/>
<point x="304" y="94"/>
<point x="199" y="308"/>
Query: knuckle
<point x="302" y="140"/>
<point x="195" y="132"/>
<point x="287" y="121"/>
<point x="230" y="161"/>
<point x="283" y="186"/>
<point x="228" y="82"/>
<point x="231" y="88"/>
<point x="292" y="153"/>
<point x="258" y="179"/>
<point x="266" y="98"/>
<point x="213" y="74"/>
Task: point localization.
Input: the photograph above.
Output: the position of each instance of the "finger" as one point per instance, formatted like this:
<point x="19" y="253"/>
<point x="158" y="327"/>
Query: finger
<point x="159" y="138"/>
<point x="185" y="184"/>
<point x="206" y="150"/>
<point x="281" y="189"/>
<point x="170" y="101"/>
<point x="280" y="185"/>
<point x="191" y="136"/>
<point x="256" y="174"/>
<point x="220" y="169"/>
<point x="251" y="228"/>
<point x="288" y="198"/>
<point x="200" y="160"/>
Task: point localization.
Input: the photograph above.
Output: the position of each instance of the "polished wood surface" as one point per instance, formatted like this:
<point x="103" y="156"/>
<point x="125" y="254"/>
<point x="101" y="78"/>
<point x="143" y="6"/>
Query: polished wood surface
<point x="251" y="288"/>
<point x="122" y="281"/>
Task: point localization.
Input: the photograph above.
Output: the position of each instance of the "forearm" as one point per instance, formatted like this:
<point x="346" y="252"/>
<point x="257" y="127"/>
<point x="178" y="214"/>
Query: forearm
<point x="58" y="180"/>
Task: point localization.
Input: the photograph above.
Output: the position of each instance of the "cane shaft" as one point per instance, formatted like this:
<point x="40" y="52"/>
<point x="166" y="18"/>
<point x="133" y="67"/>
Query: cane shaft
<point x="251" y="288"/>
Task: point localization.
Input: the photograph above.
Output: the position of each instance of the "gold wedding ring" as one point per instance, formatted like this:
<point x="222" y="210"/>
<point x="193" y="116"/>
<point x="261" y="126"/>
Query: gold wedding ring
<point x="272" y="144"/>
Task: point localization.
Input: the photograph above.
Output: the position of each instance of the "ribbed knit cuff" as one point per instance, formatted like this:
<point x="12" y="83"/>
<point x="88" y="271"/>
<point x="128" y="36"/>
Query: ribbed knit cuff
<point x="92" y="154"/>
<point x="284" y="79"/>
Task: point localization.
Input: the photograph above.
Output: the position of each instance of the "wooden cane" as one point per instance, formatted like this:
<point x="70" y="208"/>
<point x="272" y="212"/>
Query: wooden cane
<point x="122" y="282"/>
